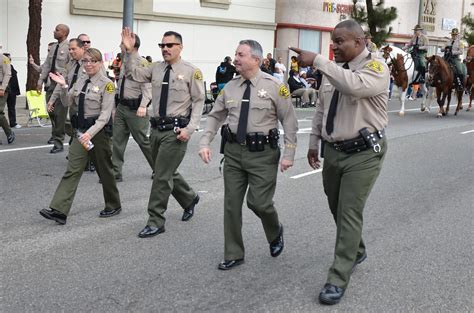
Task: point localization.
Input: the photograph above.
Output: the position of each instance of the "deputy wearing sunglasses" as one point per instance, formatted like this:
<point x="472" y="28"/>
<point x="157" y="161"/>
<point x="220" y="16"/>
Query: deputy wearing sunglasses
<point x="178" y="99"/>
<point x="92" y="97"/>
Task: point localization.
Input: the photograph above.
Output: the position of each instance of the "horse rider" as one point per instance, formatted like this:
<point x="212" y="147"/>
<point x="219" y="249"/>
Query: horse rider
<point x="419" y="44"/>
<point x="452" y="51"/>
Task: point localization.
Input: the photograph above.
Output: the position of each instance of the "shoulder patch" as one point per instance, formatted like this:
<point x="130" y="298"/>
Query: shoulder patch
<point x="375" y="66"/>
<point x="284" y="92"/>
<point x="110" y="88"/>
<point x="6" y="60"/>
<point x="197" y="75"/>
<point x="221" y="92"/>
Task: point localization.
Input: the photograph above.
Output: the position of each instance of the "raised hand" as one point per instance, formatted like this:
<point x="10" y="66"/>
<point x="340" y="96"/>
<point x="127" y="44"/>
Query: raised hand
<point x="128" y="39"/>
<point x="58" y="78"/>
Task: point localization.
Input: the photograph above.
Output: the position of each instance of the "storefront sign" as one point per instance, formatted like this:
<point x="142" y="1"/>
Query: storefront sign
<point x="428" y="15"/>
<point x="334" y="7"/>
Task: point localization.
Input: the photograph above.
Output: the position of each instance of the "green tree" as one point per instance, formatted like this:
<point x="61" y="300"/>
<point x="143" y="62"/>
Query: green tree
<point x="377" y="18"/>
<point x="468" y="21"/>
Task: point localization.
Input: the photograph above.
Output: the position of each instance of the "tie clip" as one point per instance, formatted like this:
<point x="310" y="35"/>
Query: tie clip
<point x="245" y="100"/>
<point x="165" y="83"/>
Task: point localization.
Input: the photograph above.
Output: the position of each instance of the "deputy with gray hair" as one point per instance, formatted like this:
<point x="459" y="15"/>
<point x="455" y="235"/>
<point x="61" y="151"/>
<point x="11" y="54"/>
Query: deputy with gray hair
<point x="253" y="103"/>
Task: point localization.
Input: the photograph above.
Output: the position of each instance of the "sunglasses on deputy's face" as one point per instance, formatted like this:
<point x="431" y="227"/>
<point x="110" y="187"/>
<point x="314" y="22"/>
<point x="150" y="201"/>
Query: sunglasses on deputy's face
<point x="168" y="45"/>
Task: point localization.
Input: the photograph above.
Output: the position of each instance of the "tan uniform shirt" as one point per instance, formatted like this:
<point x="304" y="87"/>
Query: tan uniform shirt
<point x="270" y="102"/>
<point x="423" y="42"/>
<point x="362" y="101"/>
<point x="133" y="89"/>
<point x="99" y="99"/>
<point x="70" y="67"/>
<point x="5" y="73"/>
<point x="458" y="47"/>
<point x="62" y="59"/>
<point x="186" y="88"/>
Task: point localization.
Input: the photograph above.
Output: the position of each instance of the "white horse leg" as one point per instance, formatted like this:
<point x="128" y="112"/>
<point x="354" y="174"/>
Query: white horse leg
<point x="430" y="92"/>
<point x="402" y="94"/>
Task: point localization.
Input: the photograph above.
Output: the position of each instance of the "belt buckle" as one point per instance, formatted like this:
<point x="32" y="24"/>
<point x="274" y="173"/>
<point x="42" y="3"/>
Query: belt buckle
<point x="377" y="148"/>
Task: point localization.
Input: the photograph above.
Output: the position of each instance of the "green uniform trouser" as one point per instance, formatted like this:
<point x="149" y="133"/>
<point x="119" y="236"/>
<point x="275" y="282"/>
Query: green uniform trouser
<point x="420" y="61"/>
<point x="167" y="153"/>
<point x="347" y="181"/>
<point x="257" y="171"/>
<point x="126" y="121"/>
<point x="58" y="118"/>
<point x="101" y="155"/>
<point x="3" y="120"/>
<point x="460" y="67"/>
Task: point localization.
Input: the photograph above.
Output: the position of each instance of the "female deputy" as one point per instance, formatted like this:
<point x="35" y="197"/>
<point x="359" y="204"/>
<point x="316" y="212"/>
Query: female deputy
<point x="93" y="98"/>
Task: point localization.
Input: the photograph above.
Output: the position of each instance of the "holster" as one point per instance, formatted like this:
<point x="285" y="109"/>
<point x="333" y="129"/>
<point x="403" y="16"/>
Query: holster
<point x="226" y="136"/>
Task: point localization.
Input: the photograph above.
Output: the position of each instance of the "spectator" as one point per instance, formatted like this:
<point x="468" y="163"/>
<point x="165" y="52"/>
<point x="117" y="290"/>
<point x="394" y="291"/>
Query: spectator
<point x="14" y="90"/>
<point x="294" y="65"/>
<point x="272" y="62"/>
<point x="116" y="65"/>
<point x="315" y="74"/>
<point x="280" y="70"/>
<point x="265" y="67"/>
<point x="300" y="88"/>
<point x="225" y="72"/>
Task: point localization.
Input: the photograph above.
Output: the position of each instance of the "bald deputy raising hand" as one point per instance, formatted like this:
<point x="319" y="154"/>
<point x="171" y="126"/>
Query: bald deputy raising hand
<point x="350" y="124"/>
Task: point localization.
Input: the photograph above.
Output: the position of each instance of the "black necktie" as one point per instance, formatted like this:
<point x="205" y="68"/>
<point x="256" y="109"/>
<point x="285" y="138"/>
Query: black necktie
<point x="333" y="108"/>
<point x="122" y="88"/>
<point x="244" y="114"/>
<point x="74" y="77"/>
<point x="416" y="43"/>
<point x="80" y="110"/>
<point x="53" y="61"/>
<point x="164" y="92"/>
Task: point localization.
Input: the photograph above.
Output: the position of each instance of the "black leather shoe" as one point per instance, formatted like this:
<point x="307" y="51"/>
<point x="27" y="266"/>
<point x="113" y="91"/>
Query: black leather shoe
<point x="110" y="213"/>
<point x="276" y="247"/>
<point x="189" y="212"/>
<point x="359" y="259"/>
<point x="55" y="215"/>
<point x="229" y="264"/>
<point x="11" y="138"/>
<point x="150" y="231"/>
<point x="331" y="294"/>
<point x="51" y="141"/>
<point x="90" y="166"/>
<point x="56" y="150"/>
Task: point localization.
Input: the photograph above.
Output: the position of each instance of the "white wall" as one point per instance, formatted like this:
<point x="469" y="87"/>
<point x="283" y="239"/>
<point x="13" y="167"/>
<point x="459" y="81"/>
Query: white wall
<point x="204" y="45"/>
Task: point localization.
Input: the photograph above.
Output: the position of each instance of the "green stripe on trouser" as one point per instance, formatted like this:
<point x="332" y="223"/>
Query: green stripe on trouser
<point x="348" y="180"/>
<point x="101" y="155"/>
<point x="126" y="121"/>
<point x="258" y="172"/>
<point x="3" y="120"/>
<point x="167" y="153"/>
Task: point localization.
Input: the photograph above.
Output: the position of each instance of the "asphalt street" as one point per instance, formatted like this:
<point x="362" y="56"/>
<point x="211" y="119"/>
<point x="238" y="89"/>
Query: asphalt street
<point x="418" y="230"/>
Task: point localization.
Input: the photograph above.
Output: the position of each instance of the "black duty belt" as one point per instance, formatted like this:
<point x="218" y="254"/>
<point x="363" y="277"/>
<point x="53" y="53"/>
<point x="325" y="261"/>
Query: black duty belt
<point x="365" y="141"/>
<point x="168" y="123"/>
<point x="256" y="141"/>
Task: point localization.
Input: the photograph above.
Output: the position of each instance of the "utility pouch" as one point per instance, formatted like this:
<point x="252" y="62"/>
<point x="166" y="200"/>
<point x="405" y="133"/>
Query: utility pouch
<point x="256" y="142"/>
<point x="273" y="137"/>
<point x="323" y="145"/>
<point x="370" y="140"/>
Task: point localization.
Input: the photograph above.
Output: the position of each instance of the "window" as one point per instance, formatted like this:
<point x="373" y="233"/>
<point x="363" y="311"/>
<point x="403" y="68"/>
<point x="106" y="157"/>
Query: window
<point x="310" y="40"/>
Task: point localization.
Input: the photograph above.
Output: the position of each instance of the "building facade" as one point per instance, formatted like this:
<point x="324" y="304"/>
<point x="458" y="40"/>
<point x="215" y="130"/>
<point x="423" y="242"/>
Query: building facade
<point x="211" y="29"/>
<point x="308" y="23"/>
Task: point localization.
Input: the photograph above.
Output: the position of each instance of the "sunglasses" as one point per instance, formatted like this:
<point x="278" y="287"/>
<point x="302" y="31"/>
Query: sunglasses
<point x="168" y="45"/>
<point x="86" y="41"/>
<point x="86" y="62"/>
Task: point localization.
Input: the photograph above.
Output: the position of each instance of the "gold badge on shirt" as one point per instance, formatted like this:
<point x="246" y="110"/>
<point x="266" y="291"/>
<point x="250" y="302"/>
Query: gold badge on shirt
<point x="110" y="88"/>
<point x="284" y="92"/>
<point x="375" y="66"/>
<point x="197" y="75"/>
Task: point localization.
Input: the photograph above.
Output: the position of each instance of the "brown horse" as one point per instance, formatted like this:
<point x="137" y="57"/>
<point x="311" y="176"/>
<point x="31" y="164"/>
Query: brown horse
<point x="441" y="76"/>
<point x="470" y="73"/>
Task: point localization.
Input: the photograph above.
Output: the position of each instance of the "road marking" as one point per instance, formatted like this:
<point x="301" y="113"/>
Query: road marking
<point x="29" y="148"/>
<point x="467" y="132"/>
<point x="307" y="173"/>
<point x="418" y="109"/>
